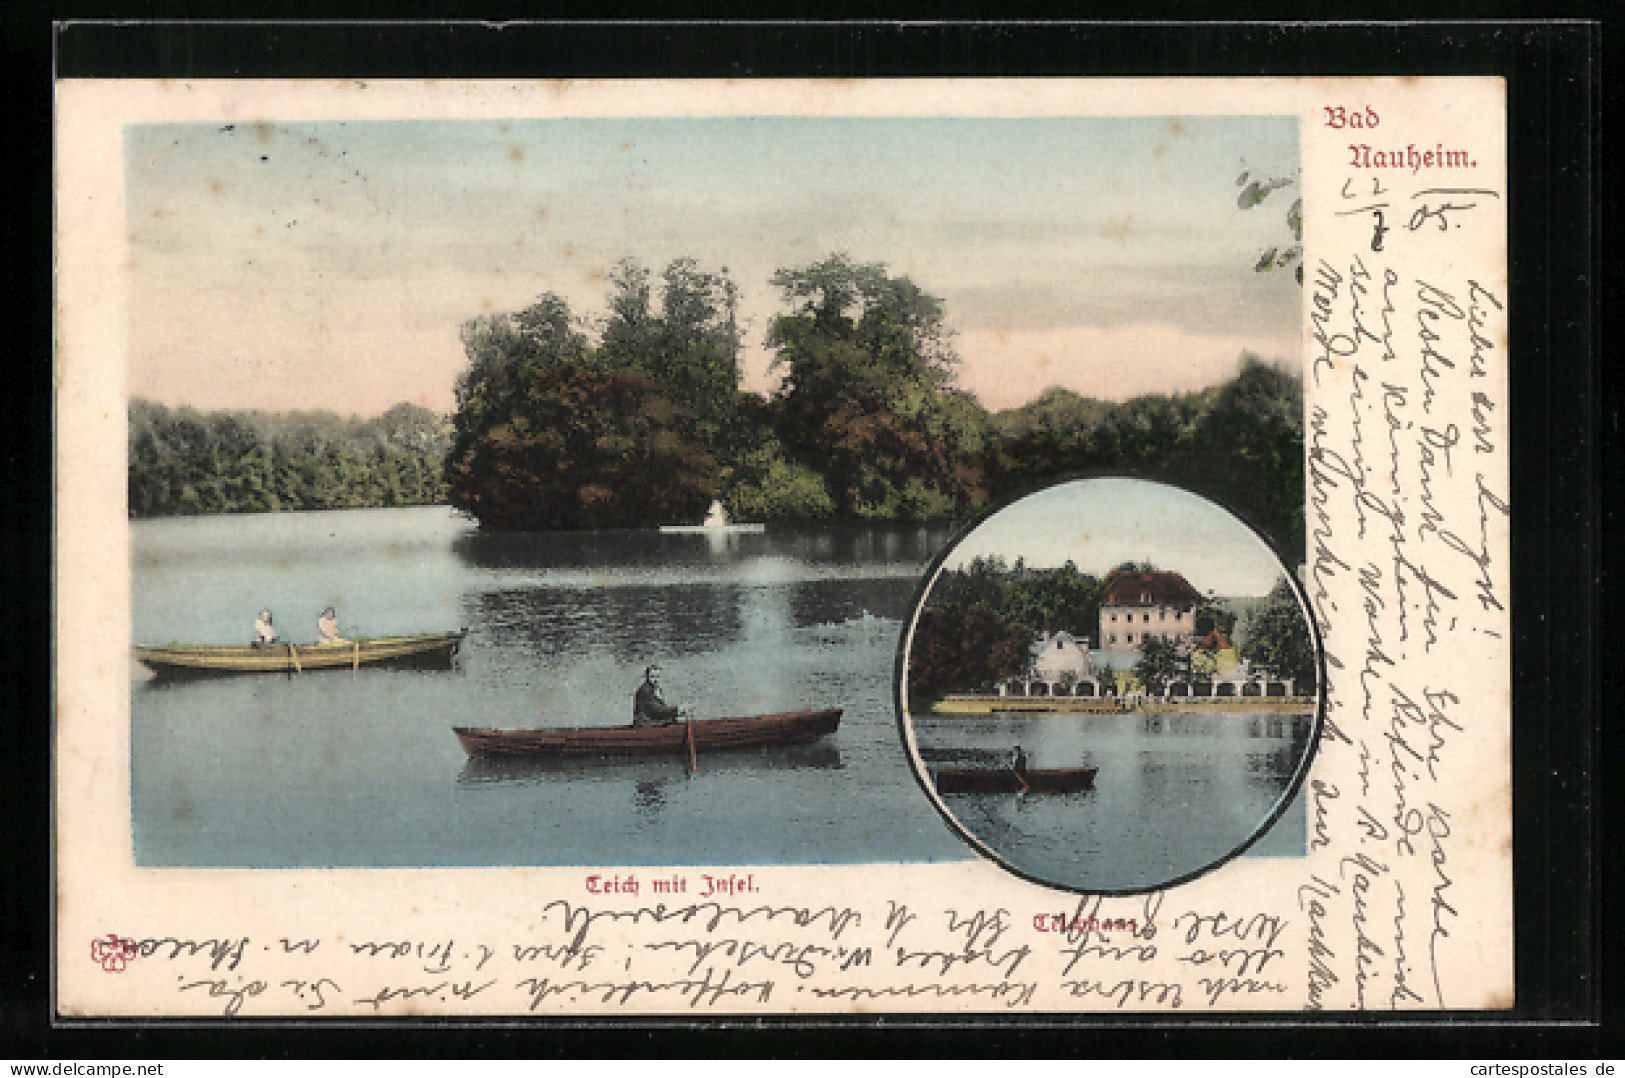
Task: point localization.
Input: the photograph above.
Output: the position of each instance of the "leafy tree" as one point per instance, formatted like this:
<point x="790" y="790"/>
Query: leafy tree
<point x="960" y="647"/>
<point x="669" y="355"/>
<point x="1278" y="639"/>
<point x="1210" y="616"/>
<point x="756" y="479"/>
<point x="409" y="429"/>
<point x="763" y="484"/>
<point x="867" y="366"/>
<point x="691" y="345"/>
<point x="504" y="352"/>
<point x="1248" y="452"/>
<point x="1159" y="663"/>
<point x="575" y="448"/>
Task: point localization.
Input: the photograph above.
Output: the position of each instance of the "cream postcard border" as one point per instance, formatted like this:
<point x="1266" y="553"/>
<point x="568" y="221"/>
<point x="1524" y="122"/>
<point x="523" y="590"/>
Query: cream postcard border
<point x="1326" y="931"/>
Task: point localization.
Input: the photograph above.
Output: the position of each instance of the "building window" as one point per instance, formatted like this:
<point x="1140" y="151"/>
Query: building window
<point x="1146" y="617"/>
<point x="1114" y="618"/>
<point x="1162" y="615"/>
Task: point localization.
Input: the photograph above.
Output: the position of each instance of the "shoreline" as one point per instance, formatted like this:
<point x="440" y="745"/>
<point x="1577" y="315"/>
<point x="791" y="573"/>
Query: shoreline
<point x="983" y="705"/>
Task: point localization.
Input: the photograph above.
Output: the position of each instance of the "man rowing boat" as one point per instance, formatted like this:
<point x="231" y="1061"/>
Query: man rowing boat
<point x="648" y="709"/>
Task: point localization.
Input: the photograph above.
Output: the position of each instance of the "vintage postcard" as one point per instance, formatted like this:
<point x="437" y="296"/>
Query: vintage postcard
<point x="686" y="550"/>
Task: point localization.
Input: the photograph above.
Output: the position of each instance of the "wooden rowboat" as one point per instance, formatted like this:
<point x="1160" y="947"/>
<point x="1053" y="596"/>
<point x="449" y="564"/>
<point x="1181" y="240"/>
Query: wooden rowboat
<point x="1063" y="780"/>
<point x="426" y="650"/>
<point x="700" y="735"/>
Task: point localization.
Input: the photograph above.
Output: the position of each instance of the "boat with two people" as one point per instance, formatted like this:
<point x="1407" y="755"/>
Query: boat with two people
<point x="423" y="651"/>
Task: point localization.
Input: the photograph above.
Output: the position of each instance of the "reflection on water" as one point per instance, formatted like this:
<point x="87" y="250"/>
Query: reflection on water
<point x="647" y="796"/>
<point x="551" y="623"/>
<point x="1174" y="793"/>
<point x="791" y="548"/>
<point x="646" y="782"/>
<point x="823" y="755"/>
<point x="361" y="767"/>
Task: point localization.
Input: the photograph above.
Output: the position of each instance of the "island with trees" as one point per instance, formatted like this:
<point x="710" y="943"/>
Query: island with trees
<point x="636" y="418"/>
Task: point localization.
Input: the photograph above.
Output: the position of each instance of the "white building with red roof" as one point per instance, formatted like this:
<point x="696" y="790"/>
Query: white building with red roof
<point x="1136" y="606"/>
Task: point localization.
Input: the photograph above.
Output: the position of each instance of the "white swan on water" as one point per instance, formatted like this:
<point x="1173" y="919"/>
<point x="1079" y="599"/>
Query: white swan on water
<point x="717" y="524"/>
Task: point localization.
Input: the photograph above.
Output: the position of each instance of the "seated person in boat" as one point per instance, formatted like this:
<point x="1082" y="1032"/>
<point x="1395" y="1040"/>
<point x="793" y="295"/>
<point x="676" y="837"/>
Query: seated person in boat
<point x="648" y="709"/>
<point x="264" y="633"/>
<point x="1018" y="760"/>
<point x="327" y="627"/>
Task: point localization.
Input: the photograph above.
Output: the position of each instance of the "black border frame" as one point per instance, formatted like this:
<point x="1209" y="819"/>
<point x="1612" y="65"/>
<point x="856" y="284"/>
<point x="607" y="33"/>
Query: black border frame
<point x="1561" y="406"/>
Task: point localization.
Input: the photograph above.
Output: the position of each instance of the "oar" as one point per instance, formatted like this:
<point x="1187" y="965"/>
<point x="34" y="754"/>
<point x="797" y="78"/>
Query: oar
<point x="688" y="731"/>
<point x="355" y="663"/>
<point x="293" y="653"/>
<point x="1016" y="769"/>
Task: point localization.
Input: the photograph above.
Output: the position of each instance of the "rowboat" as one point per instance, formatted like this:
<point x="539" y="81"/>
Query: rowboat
<point x="698" y="735"/>
<point x="1060" y="780"/>
<point x="424" y="650"/>
<point x="646" y="772"/>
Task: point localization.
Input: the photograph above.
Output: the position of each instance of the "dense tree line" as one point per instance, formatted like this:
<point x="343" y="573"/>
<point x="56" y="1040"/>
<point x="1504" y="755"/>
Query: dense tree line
<point x="962" y="648"/>
<point x="577" y="448"/>
<point x="866" y="425"/>
<point x="182" y="461"/>
<point x="983" y="619"/>
<point x="1035" y="601"/>
<point x="1239" y="443"/>
<point x="637" y="419"/>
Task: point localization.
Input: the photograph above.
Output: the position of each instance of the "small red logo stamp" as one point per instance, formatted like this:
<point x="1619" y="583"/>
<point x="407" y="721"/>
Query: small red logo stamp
<point x="112" y="952"/>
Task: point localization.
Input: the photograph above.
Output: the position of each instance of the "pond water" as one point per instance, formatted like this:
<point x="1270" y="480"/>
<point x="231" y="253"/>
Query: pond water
<point x="360" y="768"/>
<point x="1174" y="793"/>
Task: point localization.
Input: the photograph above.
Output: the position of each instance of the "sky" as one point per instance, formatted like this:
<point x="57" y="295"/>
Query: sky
<point x="331" y="265"/>
<point x="1098" y="524"/>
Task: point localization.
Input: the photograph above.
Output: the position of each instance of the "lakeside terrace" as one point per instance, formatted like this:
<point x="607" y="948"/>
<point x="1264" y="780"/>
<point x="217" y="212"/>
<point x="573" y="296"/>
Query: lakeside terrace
<point x="1137" y="703"/>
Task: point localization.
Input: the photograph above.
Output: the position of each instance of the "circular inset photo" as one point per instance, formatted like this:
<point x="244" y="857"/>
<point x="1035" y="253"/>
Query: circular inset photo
<point x="1111" y="686"/>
